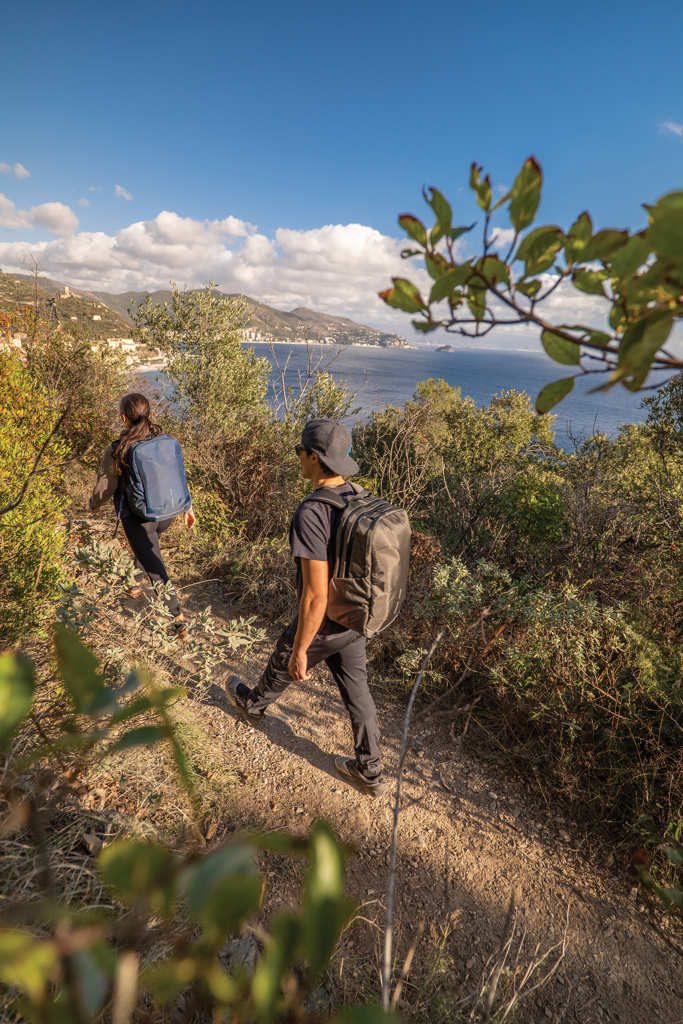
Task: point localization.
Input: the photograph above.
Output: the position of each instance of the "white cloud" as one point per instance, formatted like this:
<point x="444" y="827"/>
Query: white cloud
<point x="18" y="171"/>
<point x="84" y="202"/>
<point x="120" y="193"/>
<point x="95" y="188"/>
<point x="673" y="128"/>
<point x="501" y="238"/>
<point x="12" y="218"/>
<point x="337" y="268"/>
<point x="60" y="220"/>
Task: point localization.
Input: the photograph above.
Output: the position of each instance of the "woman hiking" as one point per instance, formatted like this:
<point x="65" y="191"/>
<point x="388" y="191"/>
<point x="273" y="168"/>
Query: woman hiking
<point x="152" y="479"/>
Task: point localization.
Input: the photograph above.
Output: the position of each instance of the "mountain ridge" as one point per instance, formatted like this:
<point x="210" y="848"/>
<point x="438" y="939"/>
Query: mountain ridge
<point x="266" y="323"/>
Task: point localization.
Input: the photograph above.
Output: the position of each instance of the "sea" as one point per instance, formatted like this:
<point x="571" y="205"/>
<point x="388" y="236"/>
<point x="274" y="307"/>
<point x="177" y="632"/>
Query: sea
<point x="385" y="377"/>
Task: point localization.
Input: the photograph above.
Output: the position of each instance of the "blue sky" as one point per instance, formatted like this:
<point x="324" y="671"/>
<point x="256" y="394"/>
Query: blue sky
<point x="291" y="117"/>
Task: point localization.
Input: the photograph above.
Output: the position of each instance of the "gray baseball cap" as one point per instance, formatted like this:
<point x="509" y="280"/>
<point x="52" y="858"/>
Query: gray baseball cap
<point x="332" y="441"/>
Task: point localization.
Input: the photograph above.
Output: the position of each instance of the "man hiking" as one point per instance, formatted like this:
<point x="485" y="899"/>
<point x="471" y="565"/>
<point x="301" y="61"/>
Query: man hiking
<point x="324" y="457"/>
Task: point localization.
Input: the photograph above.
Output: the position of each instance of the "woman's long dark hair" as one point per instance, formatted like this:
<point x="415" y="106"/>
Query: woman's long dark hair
<point x="135" y="408"/>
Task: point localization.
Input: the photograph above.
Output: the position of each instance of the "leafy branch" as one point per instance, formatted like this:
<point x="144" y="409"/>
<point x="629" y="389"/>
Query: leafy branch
<point x="639" y="275"/>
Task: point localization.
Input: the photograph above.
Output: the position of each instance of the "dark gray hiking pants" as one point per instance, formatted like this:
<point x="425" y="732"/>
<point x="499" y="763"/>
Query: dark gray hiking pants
<point x="344" y="655"/>
<point x="143" y="538"/>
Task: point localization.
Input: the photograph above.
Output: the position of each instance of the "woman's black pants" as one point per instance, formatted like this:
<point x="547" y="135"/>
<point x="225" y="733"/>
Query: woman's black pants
<point x="143" y="538"/>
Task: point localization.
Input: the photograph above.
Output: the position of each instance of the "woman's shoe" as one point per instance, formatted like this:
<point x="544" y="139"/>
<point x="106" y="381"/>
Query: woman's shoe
<point x="179" y="628"/>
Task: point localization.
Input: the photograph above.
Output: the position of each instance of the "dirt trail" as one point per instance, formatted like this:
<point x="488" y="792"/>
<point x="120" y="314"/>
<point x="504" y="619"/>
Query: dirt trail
<point x="469" y="840"/>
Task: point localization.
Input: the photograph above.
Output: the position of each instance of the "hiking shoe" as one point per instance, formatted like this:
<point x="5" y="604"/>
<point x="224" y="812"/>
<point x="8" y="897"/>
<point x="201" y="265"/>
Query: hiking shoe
<point x="178" y="629"/>
<point x="238" y="695"/>
<point x="349" y="771"/>
<point x="133" y="591"/>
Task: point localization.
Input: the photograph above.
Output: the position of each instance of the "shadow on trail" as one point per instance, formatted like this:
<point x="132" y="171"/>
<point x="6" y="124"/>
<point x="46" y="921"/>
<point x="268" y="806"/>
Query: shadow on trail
<point x="276" y="727"/>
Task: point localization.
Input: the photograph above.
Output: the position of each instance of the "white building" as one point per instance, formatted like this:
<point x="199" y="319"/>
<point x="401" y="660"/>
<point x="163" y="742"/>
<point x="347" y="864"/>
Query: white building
<point x="125" y="344"/>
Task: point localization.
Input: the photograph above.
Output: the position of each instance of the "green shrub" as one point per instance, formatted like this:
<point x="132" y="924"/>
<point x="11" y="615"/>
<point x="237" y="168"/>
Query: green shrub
<point x="534" y="508"/>
<point x="30" y="539"/>
<point x="576" y="692"/>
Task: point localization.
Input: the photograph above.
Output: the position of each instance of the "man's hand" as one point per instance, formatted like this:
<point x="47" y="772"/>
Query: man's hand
<point x="298" y="665"/>
<point x="311" y="614"/>
<point x="190" y="519"/>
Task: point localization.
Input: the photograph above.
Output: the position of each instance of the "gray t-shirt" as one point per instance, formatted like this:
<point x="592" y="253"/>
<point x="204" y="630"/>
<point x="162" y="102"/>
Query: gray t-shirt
<point x="313" y="536"/>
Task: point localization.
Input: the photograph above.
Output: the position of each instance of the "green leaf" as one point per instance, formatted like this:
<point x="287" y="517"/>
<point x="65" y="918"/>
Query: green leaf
<point x="17" y="686"/>
<point x="234" y="899"/>
<point x="455" y="233"/>
<point x="160" y="699"/>
<point x="538" y="249"/>
<point x="404" y="295"/>
<point x="492" y="270"/>
<point x="326" y="912"/>
<point x="639" y="346"/>
<point x="603" y="245"/>
<point x="529" y="288"/>
<point x="182" y="765"/>
<point x="78" y="668"/>
<point x="452" y="279"/>
<point x="135" y="870"/>
<point x="631" y="256"/>
<point x="476" y="300"/>
<point x="266" y="987"/>
<point x="589" y="336"/>
<point x="440" y="206"/>
<point x="326" y="873"/>
<point x="200" y="881"/>
<point x="526" y="194"/>
<point x="559" y="349"/>
<point x="139" y="737"/>
<point x="168" y="979"/>
<point x="26" y="963"/>
<point x="436" y="264"/>
<point x="616" y="317"/>
<point x="674" y="853"/>
<point x="590" y="281"/>
<point x="414" y="227"/>
<point x="577" y="238"/>
<point x="425" y="326"/>
<point x="481" y="188"/>
<point x="280" y="842"/>
<point x="553" y="393"/>
<point x="665" y="234"/>
<point x="442" y="211"/>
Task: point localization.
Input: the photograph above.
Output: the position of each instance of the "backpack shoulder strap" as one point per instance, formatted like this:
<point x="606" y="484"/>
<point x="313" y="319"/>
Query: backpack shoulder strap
<point x="326" y="496"/>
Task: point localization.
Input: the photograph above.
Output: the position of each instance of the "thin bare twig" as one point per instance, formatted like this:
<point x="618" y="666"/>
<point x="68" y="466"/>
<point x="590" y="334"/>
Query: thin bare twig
<point x="34" y="470"/>
<point x="468" y="667"/>
<point x="407" y="964"/>
<point x="388" y="934"/>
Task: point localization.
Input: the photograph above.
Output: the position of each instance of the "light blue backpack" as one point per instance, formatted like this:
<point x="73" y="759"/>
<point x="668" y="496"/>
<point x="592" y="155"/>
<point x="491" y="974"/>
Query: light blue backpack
<point x="154" y="479"/>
